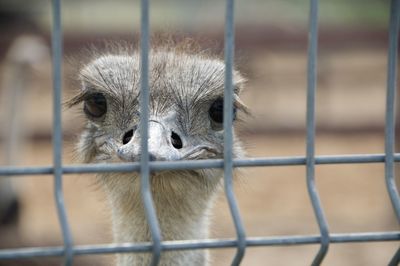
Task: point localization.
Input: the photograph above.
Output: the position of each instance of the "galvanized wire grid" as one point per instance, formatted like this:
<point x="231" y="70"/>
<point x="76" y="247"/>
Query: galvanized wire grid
<point x="241" y="242"/>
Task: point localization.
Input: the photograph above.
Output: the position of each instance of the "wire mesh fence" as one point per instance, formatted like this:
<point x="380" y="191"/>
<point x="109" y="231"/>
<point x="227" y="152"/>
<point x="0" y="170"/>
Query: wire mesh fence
<point x="241" y="242"/>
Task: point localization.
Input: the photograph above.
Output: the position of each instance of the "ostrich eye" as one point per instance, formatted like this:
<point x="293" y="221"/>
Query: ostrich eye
<point x="95" y="105"/>
<point x="216" y="111"/>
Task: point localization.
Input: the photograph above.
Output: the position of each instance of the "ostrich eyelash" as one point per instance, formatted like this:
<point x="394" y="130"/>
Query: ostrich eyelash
<point x="77" y="99"/>
<point x="82" y="96"/>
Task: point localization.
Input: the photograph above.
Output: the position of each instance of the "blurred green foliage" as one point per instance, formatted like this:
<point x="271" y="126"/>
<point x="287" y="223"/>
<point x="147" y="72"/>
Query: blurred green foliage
<point x="192" y="15"/>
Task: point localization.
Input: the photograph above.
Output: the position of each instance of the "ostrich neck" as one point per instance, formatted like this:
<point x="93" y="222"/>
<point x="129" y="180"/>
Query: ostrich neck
<point x="182" y="215"/>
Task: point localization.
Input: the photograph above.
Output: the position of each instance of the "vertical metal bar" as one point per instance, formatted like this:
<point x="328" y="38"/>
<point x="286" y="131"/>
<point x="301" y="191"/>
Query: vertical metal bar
<point x="151" y="215"/>
<point x="228" y="142"/>
<point x="390" y="106"/>
<point x="390" y="133"/>
<point x="310" y="157"/>
<point x="396" y="259"/>
<point x="57" y="132"/>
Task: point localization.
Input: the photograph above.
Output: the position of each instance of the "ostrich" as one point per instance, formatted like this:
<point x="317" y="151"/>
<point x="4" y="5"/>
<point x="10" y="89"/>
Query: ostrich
<point x="185" y="123"/>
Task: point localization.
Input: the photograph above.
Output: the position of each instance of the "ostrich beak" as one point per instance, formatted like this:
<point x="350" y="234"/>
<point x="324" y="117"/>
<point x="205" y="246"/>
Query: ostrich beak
<point x="163" y="144"/>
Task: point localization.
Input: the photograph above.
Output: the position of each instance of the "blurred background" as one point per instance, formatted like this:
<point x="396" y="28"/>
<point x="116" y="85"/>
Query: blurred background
<point x="271" y="48"/>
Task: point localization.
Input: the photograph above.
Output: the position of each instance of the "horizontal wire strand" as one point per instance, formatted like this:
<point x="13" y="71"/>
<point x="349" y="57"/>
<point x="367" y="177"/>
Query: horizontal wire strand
<point x="181" y="165"/>
<point x="79" y="250"/>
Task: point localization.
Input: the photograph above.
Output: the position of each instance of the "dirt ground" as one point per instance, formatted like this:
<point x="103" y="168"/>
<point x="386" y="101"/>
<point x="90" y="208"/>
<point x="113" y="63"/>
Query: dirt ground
<point x="273" y="202"/>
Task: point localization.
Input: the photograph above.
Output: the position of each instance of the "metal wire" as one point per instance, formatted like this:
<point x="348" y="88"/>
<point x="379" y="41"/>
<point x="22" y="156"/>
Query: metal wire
<point x="57" y="133"/>
<point x="68" y="250"/>
<point x="228" y="135"/>
<point x="181" y="165"/>
<point x="390" y="113"/>
<point x="80" y="250"/>
<point x="396" y="259"/>
<point x="390" y="105"/>
<point x="310" y="158"/>
<point x="145" y="190"/>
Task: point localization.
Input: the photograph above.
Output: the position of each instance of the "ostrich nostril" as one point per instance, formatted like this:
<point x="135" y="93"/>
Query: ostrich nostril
<point x="152" y="157"/>
<point x="176" y="140"/>
<point x="127" y="137"/>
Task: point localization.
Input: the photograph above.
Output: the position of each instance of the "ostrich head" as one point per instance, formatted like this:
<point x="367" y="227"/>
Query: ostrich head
<point x="186" y="108"/>
<point x="185" y="123"/>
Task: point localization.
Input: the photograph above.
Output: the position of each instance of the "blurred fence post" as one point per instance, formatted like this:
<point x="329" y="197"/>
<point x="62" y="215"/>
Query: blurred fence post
<point x="24" y="53"/>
